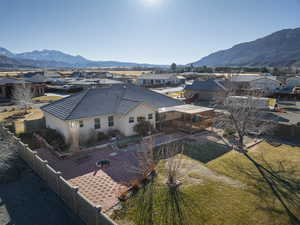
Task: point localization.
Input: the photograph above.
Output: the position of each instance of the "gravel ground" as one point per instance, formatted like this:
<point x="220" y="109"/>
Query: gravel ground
<point x="28" y="201"/>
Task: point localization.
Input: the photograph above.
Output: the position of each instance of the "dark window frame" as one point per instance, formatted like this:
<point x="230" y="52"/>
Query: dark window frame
<point x="97" y="123"/>
<point x="81" y="123"/>
<point x="111" y="121"/>
<point x="131" y="119"/>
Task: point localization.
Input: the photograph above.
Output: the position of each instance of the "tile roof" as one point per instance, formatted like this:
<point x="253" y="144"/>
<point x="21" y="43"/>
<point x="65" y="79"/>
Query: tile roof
<point x="163" y="76"/>
<point x="8" y="80"/>
<point x="115" y="99"/>
<point x="207" y="85"/>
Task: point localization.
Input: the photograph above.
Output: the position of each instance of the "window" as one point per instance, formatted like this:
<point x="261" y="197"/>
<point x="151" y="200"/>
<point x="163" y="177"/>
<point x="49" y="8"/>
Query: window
<point x="131" y="119"/>
<point x="81" y="123"/>
<point x="150" y="116"/>
<point x="97" y="123"/>
<point x="110" y="121"/>
<point x="140" y="118"/>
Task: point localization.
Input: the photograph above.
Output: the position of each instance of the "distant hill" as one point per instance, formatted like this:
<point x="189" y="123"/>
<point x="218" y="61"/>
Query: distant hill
<point x="6" y="62"/>
<point x="281" y="48"/>
<point x="58" y="59"/>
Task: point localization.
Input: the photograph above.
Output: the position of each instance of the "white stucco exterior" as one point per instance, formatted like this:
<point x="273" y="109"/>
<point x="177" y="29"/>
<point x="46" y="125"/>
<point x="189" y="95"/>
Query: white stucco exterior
<point x="121" y="123"/>
<point x="265" y="84"/>
<point x="62" y="126"/>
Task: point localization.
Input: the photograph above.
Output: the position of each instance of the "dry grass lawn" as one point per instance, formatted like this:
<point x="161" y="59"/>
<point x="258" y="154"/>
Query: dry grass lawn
<point x="34" y="114"/>
<point x="47" y="98"/>
<point x="219" y="202"/>
<point x="13" y="73"/>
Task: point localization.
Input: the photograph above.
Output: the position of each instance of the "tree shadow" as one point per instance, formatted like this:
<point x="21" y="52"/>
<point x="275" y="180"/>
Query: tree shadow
<point x="276" y="184"/>
<point x="206" y="151"/>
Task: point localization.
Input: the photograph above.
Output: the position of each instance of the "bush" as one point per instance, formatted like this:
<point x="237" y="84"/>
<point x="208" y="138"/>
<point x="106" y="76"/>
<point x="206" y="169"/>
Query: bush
<point x="102" y="136"/>
<point x="54" y="138"/>
<point x="143" y="128"/>
<point x="228" y="132"/>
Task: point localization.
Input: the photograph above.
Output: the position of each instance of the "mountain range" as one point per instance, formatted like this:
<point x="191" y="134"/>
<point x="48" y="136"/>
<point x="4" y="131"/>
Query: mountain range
<point x="55" y="59"/>
<point x="281" y="48"/>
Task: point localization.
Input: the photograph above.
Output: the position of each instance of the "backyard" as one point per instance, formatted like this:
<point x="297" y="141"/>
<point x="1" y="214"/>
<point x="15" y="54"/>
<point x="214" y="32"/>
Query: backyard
<point x="18" y="116"/>
<point x="224" y="189"/>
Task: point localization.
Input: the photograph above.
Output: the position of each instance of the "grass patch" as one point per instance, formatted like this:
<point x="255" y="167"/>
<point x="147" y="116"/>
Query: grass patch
<point x="47" y="98"/>
<point x="33" y="114"/>
<point x="215" y="202"/>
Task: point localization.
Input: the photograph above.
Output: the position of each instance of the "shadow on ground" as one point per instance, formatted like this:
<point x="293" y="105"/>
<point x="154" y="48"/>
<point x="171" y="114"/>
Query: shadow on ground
<point x="205" y="152"/>
<point x="28" y="201"/>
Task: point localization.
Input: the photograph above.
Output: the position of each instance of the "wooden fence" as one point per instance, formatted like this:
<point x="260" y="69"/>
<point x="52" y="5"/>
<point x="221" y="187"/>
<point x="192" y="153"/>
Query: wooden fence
<point x="91" y="214"/>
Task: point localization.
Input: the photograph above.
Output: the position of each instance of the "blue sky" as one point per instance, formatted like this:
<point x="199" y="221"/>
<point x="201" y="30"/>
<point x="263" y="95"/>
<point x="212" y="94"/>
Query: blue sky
<point x="152" y="31"/>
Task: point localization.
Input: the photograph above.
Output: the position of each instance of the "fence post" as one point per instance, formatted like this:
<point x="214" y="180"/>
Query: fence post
<point x="97" y="214"/>
<point x="34" y="154"/>
<point x="45" y="163"/>
<point x="58" y="174"/>
<point x="74" y="195"/>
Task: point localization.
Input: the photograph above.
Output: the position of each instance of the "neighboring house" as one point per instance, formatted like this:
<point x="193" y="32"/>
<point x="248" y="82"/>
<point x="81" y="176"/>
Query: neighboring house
<point x="49" y="74"/>
<point x="243" y="81"/>
<point x="85" y="74"/>
<point x="173" y="92"/>
<point x="207" y="90"/>
<point x="293" y="81"/>
<point x="116" y="107"/>
<point x="88" y="83"/>
<point x="265" y="84"/>
<point x="159" y="80"/>
<point x="7" y="86"/>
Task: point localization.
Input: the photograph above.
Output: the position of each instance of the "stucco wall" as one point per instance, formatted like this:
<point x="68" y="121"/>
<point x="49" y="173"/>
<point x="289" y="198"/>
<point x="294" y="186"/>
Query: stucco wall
<point x="121" y="123"/>
<point x="59" y="125"/>
<point x="142" y="110"/>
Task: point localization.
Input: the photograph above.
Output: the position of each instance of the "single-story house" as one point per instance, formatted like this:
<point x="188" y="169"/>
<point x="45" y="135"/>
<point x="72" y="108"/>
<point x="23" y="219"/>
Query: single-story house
<point x="52" y="74"/>
<point x="155" y="80"/>
<point x="293" y="81"/>
<point x="207" y="90"/>
<point x="7" y="86"/>
<point x="95" y="82"/>
<point x="116" y="107"/>
<point x="173" y="92"/>
<point x="265" y="84"/>
<point x="243" y="81"/>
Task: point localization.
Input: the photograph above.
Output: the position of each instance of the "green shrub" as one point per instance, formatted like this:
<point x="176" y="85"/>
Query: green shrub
<point x="143" y="128"/>
<point x="102" y="136"/>
<point x="228" y="132"/>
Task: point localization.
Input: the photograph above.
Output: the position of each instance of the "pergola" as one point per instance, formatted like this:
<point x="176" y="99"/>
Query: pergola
<point x="186" y="117"/>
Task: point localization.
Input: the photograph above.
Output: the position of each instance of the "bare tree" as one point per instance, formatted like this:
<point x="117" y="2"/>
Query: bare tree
<point x="160" y="200"/>
<point x="22" y="95"/>
<point x="244" y="116"/>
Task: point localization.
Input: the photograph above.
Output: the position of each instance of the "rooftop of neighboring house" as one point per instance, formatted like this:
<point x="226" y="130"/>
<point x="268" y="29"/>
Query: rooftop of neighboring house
<point x="94" y="81"/>
<point x="114" y="99"/>
<point x="11" y="81"/>
<point x="248" y="78"/>
<point x="207" y="85"/>
<point x="153" y="76"/>
<point x="168" y="90"/>
<point x="37" y="78"/>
